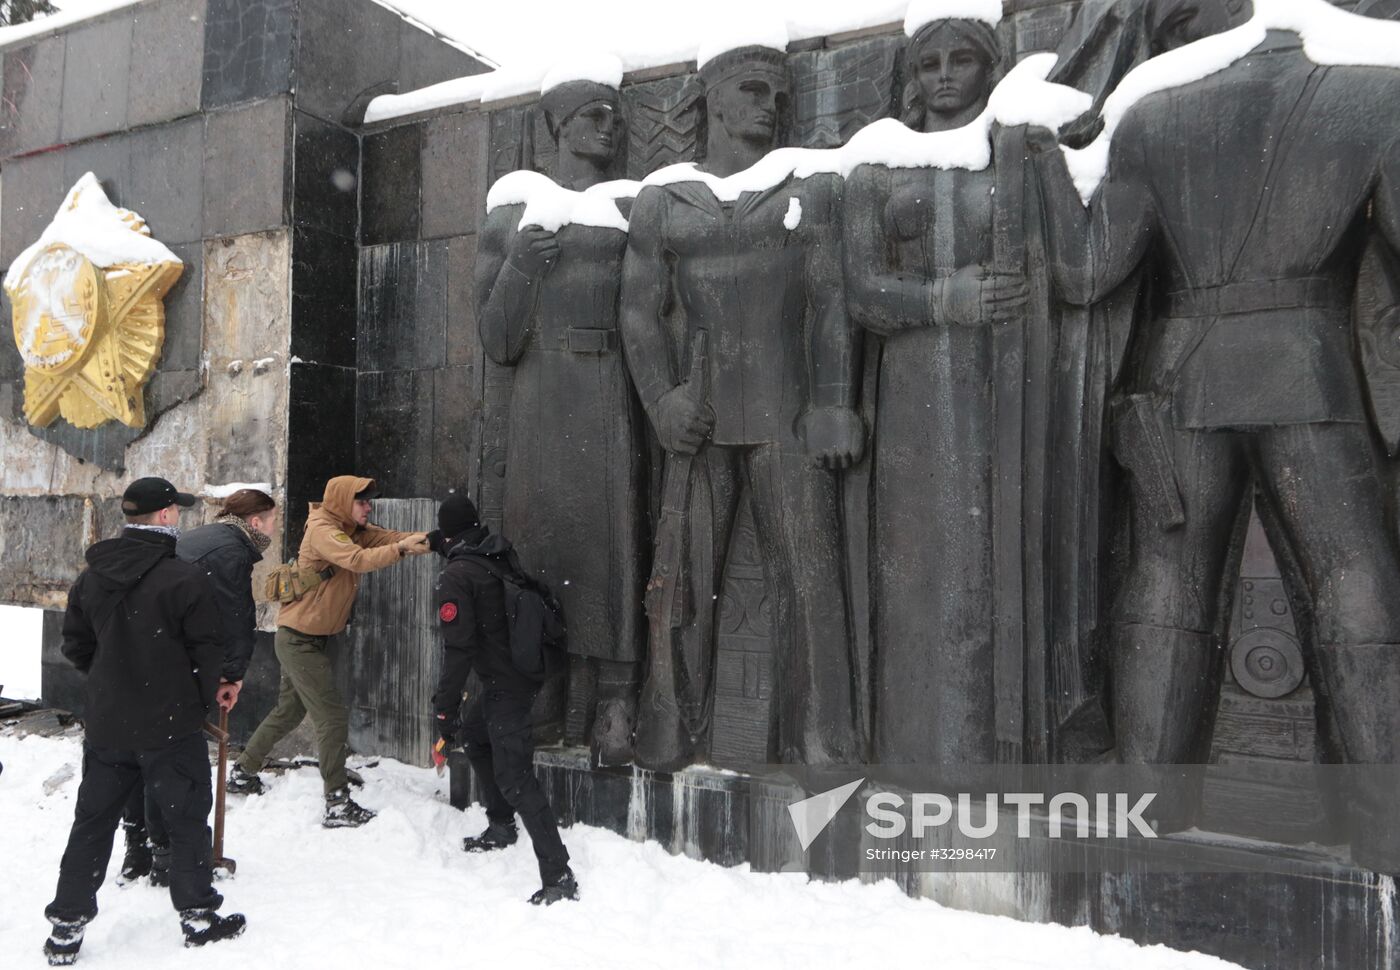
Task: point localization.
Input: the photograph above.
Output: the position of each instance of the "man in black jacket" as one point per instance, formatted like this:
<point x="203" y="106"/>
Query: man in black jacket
<point x="496" y="731"/>
<point x="144" y="627"/>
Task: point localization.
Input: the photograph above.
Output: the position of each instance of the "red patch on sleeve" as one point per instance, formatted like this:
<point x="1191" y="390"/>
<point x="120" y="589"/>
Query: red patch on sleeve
<point x="447" y="612"/>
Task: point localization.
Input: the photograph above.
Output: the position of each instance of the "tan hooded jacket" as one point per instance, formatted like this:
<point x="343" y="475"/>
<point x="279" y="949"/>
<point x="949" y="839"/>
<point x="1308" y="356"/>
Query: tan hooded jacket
<point x="333" y="539"/>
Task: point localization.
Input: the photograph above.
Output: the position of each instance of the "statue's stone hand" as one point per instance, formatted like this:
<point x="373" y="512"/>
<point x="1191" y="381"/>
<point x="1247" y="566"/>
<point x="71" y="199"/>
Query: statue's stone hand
<point x="532" y="251"/>
<point x="682" y="421"/>
<point x="834" y="437"/>
<point x="974" y="297"/>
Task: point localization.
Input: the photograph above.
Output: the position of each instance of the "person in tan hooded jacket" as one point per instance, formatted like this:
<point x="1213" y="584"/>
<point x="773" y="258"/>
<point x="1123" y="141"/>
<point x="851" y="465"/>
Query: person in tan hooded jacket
<point x="340" y="544"/>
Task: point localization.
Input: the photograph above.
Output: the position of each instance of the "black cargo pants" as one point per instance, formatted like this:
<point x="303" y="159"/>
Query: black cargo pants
<point x="496" y="735"/>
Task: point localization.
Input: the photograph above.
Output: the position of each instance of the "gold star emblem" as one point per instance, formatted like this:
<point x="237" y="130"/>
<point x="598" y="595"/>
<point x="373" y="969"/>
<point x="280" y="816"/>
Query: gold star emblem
<point x="90" y="335"/>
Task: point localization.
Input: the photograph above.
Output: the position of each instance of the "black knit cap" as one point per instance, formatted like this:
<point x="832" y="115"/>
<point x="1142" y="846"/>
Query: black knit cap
<point x="146" y="495"/>
<point x="456" y="515"/>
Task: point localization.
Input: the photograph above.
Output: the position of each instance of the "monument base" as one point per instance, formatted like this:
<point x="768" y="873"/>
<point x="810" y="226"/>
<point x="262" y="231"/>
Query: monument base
<point x="1265" y="906"/>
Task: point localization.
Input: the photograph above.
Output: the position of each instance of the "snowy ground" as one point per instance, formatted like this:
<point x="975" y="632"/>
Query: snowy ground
<point x="21" y="640"/>
<point x="400" y="893"/>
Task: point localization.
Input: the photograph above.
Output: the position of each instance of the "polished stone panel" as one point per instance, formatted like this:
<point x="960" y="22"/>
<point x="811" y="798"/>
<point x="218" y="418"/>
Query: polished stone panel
<point x="323" y="297"/>
<point x="167" y="61"/>
<point x="454" y="173"/>
<point x="344" y="48"/>
<point x="247" y="50"/>
<point x="456" y="418"/>
<point x="33" y="189"/>
<point x="245" y="154"/>
<point x="32" y="106"/>
<point x="166" y="179"/>
<point x="463" y="340"/>
<point x="402" y="307"/>
<point x="390" y="176"/>
<point x="95" y="78"/>
<point x="395" y="430"/>
<point x="326" y="173"/>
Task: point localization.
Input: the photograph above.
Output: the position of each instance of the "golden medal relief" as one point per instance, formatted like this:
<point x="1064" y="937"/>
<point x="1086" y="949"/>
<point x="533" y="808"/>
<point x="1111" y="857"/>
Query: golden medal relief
<point x="89" y="319"/>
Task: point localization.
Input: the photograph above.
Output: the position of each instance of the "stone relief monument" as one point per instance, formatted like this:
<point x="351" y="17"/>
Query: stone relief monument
<point x="547" y="274"/>
<point x="921" y="275"/>
<point x="779" y="305"/>
<point x="734" y="322"/>
<point x="1240" y="371"/>
<point x="88" y="316"/>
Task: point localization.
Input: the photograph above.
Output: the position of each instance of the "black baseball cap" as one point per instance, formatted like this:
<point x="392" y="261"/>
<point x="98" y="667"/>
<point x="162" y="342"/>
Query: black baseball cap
<point x="146" y="495"/>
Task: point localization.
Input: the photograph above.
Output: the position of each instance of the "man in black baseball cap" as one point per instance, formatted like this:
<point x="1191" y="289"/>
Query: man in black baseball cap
<point x="144" y="627"/>
<point x="147" y="495"/>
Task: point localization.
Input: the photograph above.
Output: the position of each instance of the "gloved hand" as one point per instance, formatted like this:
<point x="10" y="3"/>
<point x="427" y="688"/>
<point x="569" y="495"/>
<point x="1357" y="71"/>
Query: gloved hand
<point x="414" y="545"/>
<point x="448" y="727"/>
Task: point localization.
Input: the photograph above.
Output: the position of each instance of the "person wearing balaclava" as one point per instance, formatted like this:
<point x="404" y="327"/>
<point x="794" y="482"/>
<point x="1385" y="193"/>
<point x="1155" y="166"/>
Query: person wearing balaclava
<point x="496" y="731"/>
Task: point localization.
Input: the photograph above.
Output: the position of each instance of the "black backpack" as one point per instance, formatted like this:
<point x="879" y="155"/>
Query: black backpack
<point x="535" y="618"/>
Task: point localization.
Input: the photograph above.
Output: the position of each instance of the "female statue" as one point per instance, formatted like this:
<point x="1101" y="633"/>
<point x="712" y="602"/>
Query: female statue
<point x="919" y="272"/>
<point x="548" y="266"/>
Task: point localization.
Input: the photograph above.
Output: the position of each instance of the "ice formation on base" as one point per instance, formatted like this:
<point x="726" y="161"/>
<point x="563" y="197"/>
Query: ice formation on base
<point x="551" y="206"/>
<point x="1330" y="36"/>
<point x="88" y="222"/>
<point x="923" y="12"/>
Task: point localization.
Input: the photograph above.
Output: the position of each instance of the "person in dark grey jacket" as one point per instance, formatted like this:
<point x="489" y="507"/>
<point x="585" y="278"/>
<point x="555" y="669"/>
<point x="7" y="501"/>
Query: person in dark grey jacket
<point x="226" y="550"/>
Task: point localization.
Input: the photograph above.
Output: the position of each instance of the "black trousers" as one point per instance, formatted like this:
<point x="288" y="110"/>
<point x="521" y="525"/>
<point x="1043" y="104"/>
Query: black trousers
<point x="178" y="779"/>
<point x="496" y="735"/>
<point x="142" y="816"/>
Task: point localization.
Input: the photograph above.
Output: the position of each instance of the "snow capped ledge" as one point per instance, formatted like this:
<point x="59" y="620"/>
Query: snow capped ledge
<point x="57" y="22"/>
<point x="637" y="55"/>
<point x="1330" y="37"/>
<point x="551" y="206"/>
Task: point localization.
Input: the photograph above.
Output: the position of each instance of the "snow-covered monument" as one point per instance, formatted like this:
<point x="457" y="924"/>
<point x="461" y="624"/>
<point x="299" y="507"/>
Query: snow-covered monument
<point x="1009" y="385"/>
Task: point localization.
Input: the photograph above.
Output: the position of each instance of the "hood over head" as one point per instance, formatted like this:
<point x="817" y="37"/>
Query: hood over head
<point x="339" y="498"/>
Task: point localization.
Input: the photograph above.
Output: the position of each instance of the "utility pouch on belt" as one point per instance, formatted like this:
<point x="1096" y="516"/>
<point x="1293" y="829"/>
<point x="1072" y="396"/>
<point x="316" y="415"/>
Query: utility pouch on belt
<point x="1142" y="444"/>
<point x="290" y="582"/>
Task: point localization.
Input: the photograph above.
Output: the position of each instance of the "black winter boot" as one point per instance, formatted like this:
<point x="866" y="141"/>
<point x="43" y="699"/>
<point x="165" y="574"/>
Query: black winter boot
<point x="241" y="782"/>
<point x="64" y="942"/>
<point x="160" y="864"/>
<point x="498" y="835"/>
<point x="342" y="811"/>
<point x="563" y="887"/>
<point x="137" y="861"/>
<point x="203" y="926"/>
